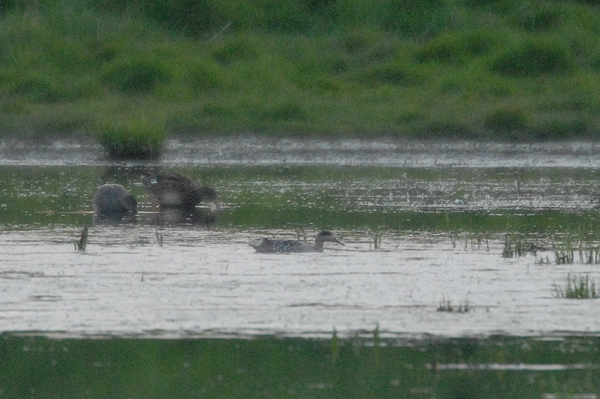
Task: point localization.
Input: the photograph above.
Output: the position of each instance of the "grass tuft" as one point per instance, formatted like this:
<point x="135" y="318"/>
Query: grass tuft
<point x="137" y="137"/>
<point x="578" y="287"/>
<point x="514" y="248"/>
<point x="446" y="306"/>
<point x="533" y="58"/>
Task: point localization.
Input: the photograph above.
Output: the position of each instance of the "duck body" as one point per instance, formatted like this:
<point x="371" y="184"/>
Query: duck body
<point x="174" y="190"/>
<point x="285" y="246"/>
<point x="112" y="202"/>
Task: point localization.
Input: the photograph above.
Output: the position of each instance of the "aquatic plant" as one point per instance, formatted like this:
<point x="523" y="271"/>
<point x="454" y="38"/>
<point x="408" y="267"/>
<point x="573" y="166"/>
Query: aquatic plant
<point x="335" y="346"/>
<point x="543" y="261"/>
<point x="514" y="248"/>
<point x="578" y="287"/>
<point x="376" y="235"/>
<point x="82" y="242"/>
<point x="564" y="257"/>
<point x="587" y="249"/>
<point x="159" y="239"/>
<point x="590" y="255"/>
<point x="446" y="306"/>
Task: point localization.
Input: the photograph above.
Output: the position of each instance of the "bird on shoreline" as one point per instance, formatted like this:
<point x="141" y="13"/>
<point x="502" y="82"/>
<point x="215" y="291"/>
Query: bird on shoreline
<point x="174" y="190"/>
<point x="113" y="203"/>
<point x="281" y="246"/>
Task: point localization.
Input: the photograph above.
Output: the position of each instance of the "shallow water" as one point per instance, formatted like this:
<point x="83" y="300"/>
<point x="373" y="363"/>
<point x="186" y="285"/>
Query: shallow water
<point x="498" y="367"/>
<point x="440" y="211"/>
<point x="197" y="313"/>
<point x="209" y="281"/>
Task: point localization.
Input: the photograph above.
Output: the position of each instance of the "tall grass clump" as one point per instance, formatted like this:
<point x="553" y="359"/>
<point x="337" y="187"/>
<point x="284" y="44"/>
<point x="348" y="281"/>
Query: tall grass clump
<point x="578" y="287"/>
<point x="136" y="137"/>
<point x="456" y="47"/>
<point x="514" y="248"/>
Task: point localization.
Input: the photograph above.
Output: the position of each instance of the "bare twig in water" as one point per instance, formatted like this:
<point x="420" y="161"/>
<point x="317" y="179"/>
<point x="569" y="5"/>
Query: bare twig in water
<point x="80" y="245"/>
<point x="159" y="238"/>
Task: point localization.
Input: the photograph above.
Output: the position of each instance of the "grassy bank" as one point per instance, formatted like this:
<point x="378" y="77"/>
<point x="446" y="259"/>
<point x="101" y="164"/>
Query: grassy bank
<point x="481" y="69"/>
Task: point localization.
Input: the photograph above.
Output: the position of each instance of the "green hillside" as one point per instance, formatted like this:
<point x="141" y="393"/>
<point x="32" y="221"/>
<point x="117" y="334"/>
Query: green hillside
<point x="482" y="69"/>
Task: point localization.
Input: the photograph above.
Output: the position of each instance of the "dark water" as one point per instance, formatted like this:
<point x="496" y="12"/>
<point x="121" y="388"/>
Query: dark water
<point x="422" y="223"/>
<point x="270" y="367"/>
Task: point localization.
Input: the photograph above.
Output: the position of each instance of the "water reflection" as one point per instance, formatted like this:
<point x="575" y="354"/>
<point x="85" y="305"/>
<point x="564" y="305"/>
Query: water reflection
<point x="173" y="216"/>
<point x="273" y="367"/>
<point x="173" y="197"/>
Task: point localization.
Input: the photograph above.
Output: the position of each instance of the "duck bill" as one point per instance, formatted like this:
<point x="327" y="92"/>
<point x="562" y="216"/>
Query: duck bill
<point x="338" y="241"/>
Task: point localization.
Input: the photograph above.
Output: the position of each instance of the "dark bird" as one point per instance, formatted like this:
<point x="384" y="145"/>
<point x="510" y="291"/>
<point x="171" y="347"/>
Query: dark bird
<point x="174" y="190"/>
<point x="114" y="203"/>
<point x="271" y="246"/>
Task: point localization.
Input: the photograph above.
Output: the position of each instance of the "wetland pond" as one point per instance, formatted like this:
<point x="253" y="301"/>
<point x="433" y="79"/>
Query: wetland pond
<point x="453" y="280"/>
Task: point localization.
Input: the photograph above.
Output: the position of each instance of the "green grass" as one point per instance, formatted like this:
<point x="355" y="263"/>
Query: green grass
<point x="502" y="70"/>
<point x="578" y="287"/>
<point x="136" y="137"/>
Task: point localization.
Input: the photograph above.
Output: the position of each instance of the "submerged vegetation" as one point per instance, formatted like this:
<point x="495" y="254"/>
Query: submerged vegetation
<point x="500" y="69"/>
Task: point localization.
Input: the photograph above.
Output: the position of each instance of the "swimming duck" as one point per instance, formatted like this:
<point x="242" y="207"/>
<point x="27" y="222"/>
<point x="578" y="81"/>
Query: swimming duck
<point x="269" y="245"/>
<point x="174" y="190"/>
<point x="113" y="202"/>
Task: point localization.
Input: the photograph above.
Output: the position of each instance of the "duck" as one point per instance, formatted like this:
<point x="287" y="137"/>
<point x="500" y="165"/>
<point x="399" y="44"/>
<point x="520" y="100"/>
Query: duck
<point x="174" y="190"/>
<point x="112" y="202"/>
<point x="278" y="246"/>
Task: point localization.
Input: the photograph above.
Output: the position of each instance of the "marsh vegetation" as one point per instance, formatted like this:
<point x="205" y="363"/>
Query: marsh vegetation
<point x="131" y="72"/>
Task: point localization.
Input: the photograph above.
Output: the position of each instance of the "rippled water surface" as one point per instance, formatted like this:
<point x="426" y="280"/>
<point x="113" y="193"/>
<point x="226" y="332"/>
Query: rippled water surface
<point x="451" y="282"/>
<point x="425" y="225"/>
